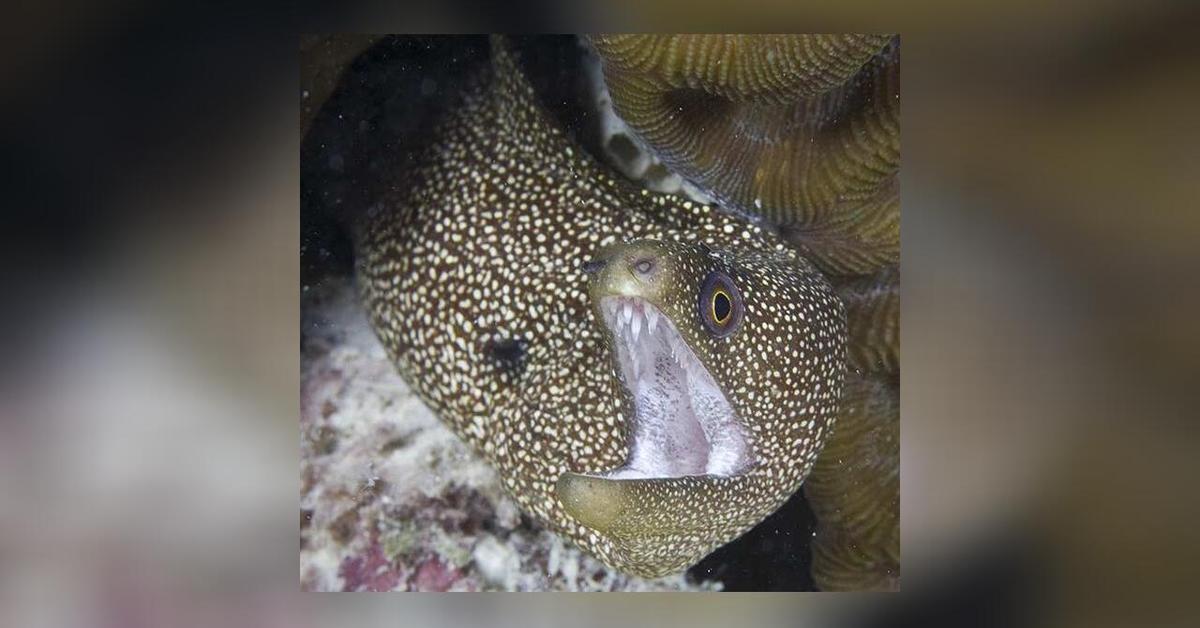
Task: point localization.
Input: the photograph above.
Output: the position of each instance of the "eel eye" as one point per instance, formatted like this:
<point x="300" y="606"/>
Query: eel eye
<point x="720" y="306"/>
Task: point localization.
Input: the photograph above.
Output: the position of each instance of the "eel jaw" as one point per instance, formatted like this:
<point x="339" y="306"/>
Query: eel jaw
<point x="686" y="445"/>
<point x="683" y="424"/>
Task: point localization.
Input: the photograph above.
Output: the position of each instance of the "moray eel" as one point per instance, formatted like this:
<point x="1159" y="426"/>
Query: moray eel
<point x="651" y="377"/>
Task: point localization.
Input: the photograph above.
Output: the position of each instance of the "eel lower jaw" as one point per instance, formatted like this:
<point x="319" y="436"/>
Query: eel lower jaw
<point x="682" y="424"/>
<point x="684" y="436"/>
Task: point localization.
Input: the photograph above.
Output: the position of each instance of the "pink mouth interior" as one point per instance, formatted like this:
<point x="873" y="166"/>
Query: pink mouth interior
<point x="682" y="423"/>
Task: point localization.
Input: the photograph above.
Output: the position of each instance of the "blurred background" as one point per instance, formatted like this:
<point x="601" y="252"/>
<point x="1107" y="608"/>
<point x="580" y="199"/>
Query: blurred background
<point x="148" y="399"/>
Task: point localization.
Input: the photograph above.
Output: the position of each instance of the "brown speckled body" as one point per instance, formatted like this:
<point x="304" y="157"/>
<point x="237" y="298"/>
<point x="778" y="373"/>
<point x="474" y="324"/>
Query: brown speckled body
<point x="472" y="273"/>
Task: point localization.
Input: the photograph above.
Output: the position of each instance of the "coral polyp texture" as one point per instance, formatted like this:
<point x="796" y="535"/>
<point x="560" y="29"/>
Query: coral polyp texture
<point x="800" y="130"/>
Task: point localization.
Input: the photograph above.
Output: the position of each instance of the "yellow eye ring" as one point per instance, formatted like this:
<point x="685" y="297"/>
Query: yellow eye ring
<point x="719" y="306"/>
<point x="720" y="292"/>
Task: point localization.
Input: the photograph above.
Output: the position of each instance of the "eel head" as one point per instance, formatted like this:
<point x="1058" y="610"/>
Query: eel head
<point x="731" y="367"/>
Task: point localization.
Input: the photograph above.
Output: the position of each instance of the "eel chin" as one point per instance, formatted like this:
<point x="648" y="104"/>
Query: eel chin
<point x="682" y="423"/>
<point x="685" y="440"/>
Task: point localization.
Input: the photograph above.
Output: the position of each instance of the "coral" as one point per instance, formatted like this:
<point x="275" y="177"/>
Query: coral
<point x="799" y="130"/>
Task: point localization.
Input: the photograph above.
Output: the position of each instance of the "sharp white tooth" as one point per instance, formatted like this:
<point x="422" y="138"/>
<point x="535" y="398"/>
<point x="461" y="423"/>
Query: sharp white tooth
<point x="628" y="313"/>
<point x="651" y="320"/>
<point x="637" y="326"/>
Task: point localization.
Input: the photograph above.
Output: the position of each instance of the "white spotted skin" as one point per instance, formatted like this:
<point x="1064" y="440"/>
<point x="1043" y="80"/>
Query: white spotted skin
<point x="486" y="242"/>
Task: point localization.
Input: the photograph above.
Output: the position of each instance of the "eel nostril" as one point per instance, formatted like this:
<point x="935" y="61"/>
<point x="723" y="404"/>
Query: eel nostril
<point x="643" y="265"/>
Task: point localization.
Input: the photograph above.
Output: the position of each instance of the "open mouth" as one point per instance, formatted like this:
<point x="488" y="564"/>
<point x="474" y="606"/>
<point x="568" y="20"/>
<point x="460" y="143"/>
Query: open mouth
<point x="682" y="422"/>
